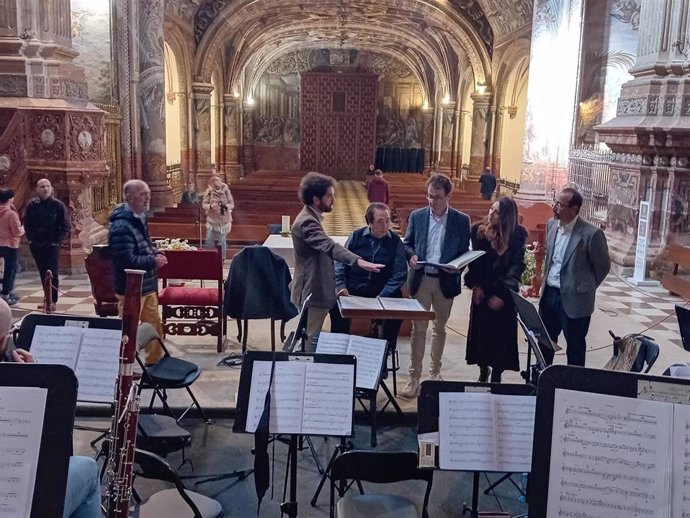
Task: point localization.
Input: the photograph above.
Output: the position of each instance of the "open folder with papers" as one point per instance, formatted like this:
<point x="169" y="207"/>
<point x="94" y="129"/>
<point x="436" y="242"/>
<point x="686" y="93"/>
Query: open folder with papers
<point x="459" y="262"/>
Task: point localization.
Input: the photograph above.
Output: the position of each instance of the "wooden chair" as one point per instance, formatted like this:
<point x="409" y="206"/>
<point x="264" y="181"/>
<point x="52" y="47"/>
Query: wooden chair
<point x="99" y="268"/>
<point x="193" y="310"/>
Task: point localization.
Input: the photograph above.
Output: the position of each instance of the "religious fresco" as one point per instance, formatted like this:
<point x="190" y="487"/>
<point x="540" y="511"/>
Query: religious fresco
<point x="91" y="38"/>
<point x="609" y="51"/>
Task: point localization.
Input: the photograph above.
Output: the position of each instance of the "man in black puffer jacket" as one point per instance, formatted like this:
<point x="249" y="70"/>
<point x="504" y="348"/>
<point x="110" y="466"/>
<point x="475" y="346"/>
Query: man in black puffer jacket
<point x="131" y="247"/>
<point x="47" y="225"/>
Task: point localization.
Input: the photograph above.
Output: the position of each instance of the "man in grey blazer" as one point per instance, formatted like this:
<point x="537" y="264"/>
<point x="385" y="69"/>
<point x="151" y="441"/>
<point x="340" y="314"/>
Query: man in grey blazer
<point x="577" y="262"/>
<point x="315" y="252"/>
<point x="435" y="234"/>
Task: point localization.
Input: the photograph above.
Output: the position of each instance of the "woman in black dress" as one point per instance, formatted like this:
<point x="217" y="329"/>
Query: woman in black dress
<point x="492" y="335"/>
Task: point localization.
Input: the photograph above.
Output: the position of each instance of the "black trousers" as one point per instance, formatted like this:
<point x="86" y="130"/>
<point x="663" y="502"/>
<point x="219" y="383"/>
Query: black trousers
<point x="47" y="258"/>
<point x="10" y="257"/>
<point x="574" y="329"/>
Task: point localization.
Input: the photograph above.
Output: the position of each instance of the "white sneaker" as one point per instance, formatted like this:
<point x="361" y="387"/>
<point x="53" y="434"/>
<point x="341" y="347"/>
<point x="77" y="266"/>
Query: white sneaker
<point x="411" y="389"/>
<point x="436" y="377"/>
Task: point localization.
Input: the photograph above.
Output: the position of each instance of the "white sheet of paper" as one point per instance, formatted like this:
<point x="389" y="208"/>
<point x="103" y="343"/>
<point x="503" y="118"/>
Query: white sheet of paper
<point x="400" y="304"/>
<point x="353" y="302"/>
<point x="370" y="353"/>
<point x="680" y="488"/>
<point x="610" y="456"/>
<point x="332" y="343"/>
<point x="466" y="431"/>
<point x="328" y="399"/>
<point x="21" y="426"/>
<point x="98" y="364"/>
<point x="261" y="374"/>
<point x="57" y="345"/>
<point x="287" y="397"/>
<point x="514" y="432"/>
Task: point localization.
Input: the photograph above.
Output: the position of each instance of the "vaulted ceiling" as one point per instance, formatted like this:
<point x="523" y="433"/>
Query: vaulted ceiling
<point x="437" y="39"/>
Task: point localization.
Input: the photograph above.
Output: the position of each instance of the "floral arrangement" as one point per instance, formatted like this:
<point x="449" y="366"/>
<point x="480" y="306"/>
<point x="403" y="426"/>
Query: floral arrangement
<point x="530" y="264"/>
<point x="173" y="244"/>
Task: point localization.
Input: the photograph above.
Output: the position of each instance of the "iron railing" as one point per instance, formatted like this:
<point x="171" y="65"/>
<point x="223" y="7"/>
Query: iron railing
<point x="590" y="172"/>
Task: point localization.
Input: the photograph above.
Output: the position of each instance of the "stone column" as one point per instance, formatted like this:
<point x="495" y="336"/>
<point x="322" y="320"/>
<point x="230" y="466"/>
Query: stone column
<point x="231" y="119"/>
<point x="428" y="135"/>
<point x="455" y="163"/>
<point x="480" y="124"/>
<point x="462" y="128"/>
<point x="446" y="141"/>
<point x="650" y="137"/>
<point x="551" y="97"/>
<point x="248" y="136"/>
<point x="151" y="103"/>
<point x="497" y="136"/>
<point x="185" y="159"/>
<point x="201" y="125"/>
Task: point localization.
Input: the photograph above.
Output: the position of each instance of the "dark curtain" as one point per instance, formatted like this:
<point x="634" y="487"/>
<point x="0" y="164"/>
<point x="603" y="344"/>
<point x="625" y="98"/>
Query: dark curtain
<point x="400" y="160"/>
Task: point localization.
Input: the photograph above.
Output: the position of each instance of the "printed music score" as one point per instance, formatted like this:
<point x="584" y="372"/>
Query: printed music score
<point x="485" y="432"/>
<point x="680" y="488"/>
<point x="611" y="456"/>
<point x="93" y="355"/>
<point x="306" y="398"/>
<point x="21" y="425"/>
<point x="370" y="354"/>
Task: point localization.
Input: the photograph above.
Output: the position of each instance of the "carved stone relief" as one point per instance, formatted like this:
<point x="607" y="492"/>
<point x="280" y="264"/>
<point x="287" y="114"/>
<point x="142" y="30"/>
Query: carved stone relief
<point x="14" y="86"/>
<point x="48" y="136"/>
<point x="86" y="137"/>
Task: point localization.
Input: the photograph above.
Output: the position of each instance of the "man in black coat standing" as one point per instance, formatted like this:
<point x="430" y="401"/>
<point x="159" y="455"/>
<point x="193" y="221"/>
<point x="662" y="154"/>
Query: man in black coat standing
<point x="47" y="225"/>
<point x="131" y="247"/>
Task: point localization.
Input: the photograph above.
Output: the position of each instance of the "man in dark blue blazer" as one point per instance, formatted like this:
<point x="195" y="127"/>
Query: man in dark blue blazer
<point x="435" y="234"/>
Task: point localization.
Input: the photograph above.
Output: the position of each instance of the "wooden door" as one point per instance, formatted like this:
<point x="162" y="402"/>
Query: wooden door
<point x="338" y="123"/>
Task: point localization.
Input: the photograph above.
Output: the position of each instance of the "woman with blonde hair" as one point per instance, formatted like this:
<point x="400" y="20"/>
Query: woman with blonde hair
<point x="492" y="335"/>
<point x="218" y="204"/>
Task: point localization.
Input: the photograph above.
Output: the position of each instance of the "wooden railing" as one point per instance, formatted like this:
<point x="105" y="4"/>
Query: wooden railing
<point x="109" y="193"/>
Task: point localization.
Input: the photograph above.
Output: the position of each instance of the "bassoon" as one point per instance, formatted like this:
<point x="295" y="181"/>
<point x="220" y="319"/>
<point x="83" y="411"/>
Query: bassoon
<point x="123" y="432"/>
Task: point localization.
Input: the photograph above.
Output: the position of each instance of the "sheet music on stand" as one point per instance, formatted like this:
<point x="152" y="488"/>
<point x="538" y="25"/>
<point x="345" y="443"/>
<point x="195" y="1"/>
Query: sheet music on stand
<point x="311" y="394"/>
<point x="37" y="404"/>
<point x="370" y="354"/>
<point x="610" y="444"/>
<point x="93" y="354"/>
<point x="476" y="426"/>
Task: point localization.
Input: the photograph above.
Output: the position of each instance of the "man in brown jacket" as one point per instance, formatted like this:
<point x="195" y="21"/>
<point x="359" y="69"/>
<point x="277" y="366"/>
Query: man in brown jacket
<point x="315" y="252"/>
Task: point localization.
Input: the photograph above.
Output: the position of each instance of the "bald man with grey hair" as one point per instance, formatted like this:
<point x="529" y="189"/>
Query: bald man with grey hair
<point x="131" y="248"/>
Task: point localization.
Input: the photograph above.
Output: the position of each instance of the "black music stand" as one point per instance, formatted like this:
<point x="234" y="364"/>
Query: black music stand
<point x="428" y="421"/>
<point x="244" y="402"/>
<point x="56" y="438"/>
<point x="628" y="450"/>
<point x="536" y="335"/>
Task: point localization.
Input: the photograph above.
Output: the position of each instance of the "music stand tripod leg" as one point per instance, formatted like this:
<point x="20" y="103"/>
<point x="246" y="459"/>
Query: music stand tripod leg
<point x="340" y="448"/>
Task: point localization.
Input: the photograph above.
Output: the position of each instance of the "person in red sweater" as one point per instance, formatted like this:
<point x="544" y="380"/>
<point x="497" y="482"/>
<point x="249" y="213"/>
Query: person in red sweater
<point x="11" y="230"/>
<point x="377" y="189"/>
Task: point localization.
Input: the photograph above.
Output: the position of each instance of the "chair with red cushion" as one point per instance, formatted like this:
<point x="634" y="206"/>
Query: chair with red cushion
<point x="192" y="310"/>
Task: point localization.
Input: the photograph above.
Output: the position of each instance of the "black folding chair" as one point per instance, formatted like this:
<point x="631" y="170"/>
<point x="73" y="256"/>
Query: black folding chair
<point x="167" y="374"/>
<point x="379" y="468"/>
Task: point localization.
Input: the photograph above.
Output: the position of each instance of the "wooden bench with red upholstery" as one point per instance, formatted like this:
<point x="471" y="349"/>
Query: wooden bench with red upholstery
<point x="193" y="310"/>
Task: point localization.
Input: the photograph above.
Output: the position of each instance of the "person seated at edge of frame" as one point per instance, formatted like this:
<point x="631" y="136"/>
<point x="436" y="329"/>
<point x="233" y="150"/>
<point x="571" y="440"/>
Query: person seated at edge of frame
<point x="190" y="196"/>
<point x="377" y="244"/>
<point x="492" y="341"/>
<point x="83" y="493"/>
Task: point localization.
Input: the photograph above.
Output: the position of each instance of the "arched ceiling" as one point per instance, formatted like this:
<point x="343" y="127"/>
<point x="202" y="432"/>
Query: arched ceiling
<point x="432" y="36"/>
